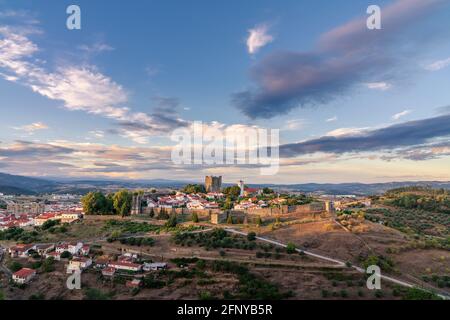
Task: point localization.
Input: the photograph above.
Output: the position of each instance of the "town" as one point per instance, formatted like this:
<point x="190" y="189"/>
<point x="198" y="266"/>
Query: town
<point x="26" y="218"/>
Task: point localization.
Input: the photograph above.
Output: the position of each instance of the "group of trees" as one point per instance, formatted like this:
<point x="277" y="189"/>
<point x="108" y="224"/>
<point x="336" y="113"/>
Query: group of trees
<point x="96" y="203"/>
<point x="233" y="191"/>
<point x="194" y="188"/>
<point x="428" y="199"/>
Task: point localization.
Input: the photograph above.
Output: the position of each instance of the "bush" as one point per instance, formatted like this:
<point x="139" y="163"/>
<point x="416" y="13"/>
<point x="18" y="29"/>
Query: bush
<point x="15" y="266"/>
<point x="251" y="236"/>
<point x="37" y="296"/>
<point x="49" y="223"/>
<point x="96" y="294"/>
<point x="66" y="255"/>
<point x="290" y="248"/>
<point x="172" y="222"/>
<point x="48" y="265"/>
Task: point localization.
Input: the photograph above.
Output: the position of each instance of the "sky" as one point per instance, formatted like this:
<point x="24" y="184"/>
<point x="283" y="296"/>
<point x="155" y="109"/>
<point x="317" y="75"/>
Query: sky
<point x="351" y="104"/>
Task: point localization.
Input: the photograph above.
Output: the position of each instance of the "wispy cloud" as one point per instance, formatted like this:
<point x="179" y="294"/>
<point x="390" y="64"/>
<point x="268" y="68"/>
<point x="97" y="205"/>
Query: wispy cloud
<point x="95" y="48"/>
<point x="383" y="86"/>
<point x="343" y="58"/>
<point x="295" y="124"/>
<point x="31" y="128"/>
<point x="399" y="115"/>
<point x="332" y="119"/>
<point x="82" y="88"/>
<point x="438" y="65"/>
<point x="258" y="37"/>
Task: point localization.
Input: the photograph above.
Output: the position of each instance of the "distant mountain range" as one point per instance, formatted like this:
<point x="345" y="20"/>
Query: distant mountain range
<point x="13" y="184"/>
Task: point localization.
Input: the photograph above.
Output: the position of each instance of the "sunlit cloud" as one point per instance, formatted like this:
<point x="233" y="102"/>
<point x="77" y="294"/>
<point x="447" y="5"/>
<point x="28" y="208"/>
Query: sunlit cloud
<point x="258" y="37"/>
<point x="399" y="115"/>
<point x="438" y="65"/>
<point x="382" y="86"/>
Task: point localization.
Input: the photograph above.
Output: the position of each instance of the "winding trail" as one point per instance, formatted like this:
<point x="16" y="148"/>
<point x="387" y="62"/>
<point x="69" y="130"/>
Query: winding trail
<point x="339" y="262"/>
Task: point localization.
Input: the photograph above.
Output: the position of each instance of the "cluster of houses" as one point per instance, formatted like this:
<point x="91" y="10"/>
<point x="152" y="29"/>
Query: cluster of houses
<point x="79" y="250"/>
<point x="254" y="203"/>
<point x="190" y="201"/>
<point x="9" y="220"/>
<point x="80" y="261"/>
<point x="28" y="220"/>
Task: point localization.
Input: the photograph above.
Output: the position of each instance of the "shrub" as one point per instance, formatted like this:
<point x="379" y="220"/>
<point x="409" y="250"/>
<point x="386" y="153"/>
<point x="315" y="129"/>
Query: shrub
<point x="66" y="255"/>
<point x="172" y="222"/>
<point x="251" y="236"/>
<point x="15" y="266"/>
<point x="48" y="265"/>
<point x="290" y="248"/>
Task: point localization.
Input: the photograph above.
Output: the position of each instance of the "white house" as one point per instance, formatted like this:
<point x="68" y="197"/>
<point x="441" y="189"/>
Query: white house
<point x="24" y="275"/>
<point x="79" y="264"/>
<point x="123" y="265"/>
<point x="42" y="249"/>
<point x="154" y="266"/>
<point x="21" y="250"/>
<point x="55" y="255"/>
<point x="73" y="248"/>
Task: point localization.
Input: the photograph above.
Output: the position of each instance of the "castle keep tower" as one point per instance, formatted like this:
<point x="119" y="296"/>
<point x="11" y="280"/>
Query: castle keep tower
<point x="213" y="184"/>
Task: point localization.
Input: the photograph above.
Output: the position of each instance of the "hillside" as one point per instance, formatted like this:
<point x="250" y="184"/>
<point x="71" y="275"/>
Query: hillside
<point x="24" y="185"/>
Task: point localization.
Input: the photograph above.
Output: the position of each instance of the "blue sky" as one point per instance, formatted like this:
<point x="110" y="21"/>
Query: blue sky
<point x="102" y="101"/>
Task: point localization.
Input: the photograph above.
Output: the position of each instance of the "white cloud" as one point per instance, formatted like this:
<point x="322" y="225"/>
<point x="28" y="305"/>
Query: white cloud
<point x="295" y="124"/>
<point x="332" y="119"/>
<point x="438" y="65"/>
<point x="258" y="38"/>
<point x="96" y="47"/>
<point x="31" y="128"/>
<point x="383" y="86"/>
<point x="346" y="132"/>
<point x="397" y="116"/>
<point x="81" y="88"/>
<point x="97" y="133"/>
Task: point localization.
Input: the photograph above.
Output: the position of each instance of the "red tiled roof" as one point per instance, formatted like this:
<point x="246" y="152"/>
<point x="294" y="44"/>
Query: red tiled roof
<point x="24" y="273"/>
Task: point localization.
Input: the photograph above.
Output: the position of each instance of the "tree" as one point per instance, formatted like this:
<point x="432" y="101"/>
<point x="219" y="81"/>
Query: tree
<point x="95" y="203"/>
<point x="162" y="214"/>
<point x="15" y="266"/>
<point x="267" y="190"/>
<point x="172" y="222"/>
<point x="152" y="213"/>
<point x="259" y="221"/>
<point x="230" y="219"/>
<point x="228" y="204"/>
<point x="233" y="191"/>
<point x="122" y="202"/>
<point x="251" y="236"/>
<point x="48" y="265"/>
<point x="66" y="255"/>
<point x="195" y="217"/>
<point x="194" y="188"/>
<point x="49" y="223"/>
<point x="290" y="248"/>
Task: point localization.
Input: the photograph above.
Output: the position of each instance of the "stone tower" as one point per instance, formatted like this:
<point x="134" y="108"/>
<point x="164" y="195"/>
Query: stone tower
<point x="213" y="184"/>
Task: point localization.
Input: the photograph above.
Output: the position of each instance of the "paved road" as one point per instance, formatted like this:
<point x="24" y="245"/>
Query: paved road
<point x="339" y="262"/>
